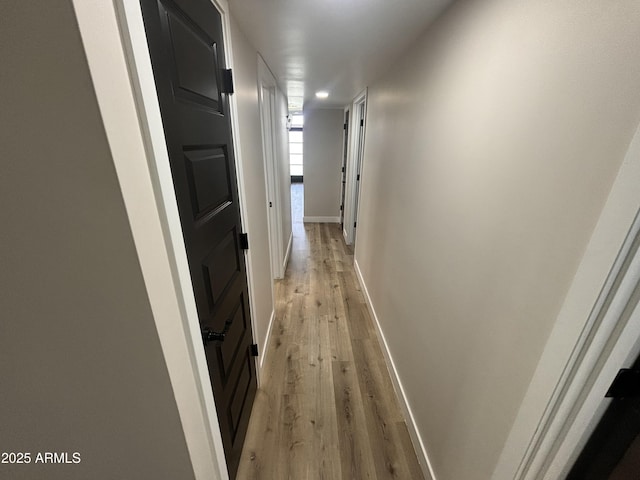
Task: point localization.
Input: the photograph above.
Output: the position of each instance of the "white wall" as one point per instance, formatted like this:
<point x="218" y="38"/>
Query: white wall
<point x="251" y="157"/>
<point x="491" y="148"/>
<point x="323" y="129"/>
<point x="80" y="359"/>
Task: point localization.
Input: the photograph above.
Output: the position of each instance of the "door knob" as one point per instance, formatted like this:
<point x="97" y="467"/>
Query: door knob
<point x="209" y="335"/>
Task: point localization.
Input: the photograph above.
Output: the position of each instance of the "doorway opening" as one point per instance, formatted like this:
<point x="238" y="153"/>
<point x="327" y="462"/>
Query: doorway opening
<point x="296" y="139"/>
<point x="268" y="118"/>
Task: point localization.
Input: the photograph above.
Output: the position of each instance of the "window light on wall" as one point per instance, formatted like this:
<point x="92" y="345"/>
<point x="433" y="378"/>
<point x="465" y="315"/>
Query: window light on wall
<point x="296" y="145"/>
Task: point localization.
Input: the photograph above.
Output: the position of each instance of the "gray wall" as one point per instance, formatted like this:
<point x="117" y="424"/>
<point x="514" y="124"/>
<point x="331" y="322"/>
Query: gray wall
<point x="80" y="361"/>
<point x="491" y="147"/>
<point x="322" y="161"/>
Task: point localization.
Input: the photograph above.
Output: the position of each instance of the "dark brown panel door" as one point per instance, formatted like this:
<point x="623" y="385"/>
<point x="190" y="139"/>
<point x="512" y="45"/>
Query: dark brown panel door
<point x="187" y="55"/>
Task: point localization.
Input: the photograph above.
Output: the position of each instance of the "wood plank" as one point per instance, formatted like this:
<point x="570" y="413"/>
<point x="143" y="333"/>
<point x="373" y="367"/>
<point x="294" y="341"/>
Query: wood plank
<point x="356" y="458"/>
<point x="325" y="446"/>
<point x="374" y="380"/>
<point x="355" y="308"/>
<point x="292" y="461"/>
<point x="258" y="452"/>
<point x="413" y="465"/>
<point x="326" y="408"/>
<point x="381" y="414"/>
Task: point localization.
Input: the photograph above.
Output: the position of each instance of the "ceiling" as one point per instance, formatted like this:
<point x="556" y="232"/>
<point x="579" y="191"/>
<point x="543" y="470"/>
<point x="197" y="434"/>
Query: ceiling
<point x="339" y="46"/>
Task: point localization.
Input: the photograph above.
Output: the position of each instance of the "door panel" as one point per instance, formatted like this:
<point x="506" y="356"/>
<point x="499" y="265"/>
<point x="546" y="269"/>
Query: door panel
<point x="209" y="180"/>
<point x="195" y="62"/>
<point x="187" y="56"/>
<point x="221" y="267"/>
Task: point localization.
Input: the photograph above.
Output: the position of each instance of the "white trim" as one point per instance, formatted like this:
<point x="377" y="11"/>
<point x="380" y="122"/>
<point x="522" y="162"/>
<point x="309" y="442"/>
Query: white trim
<point x="320" y="219"/>
<point x="566" y="365"/>
<point x="287" y="253"/>
<point x="263" y="348"/>
<point x="268" y="122"/>
<point x="414" y="432"/>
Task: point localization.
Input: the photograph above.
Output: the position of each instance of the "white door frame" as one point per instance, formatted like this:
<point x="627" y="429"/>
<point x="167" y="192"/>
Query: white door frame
<point x="355" y="163"/>
<point x="114" y="40"/>
<point x="267" y="98"/>
<point x="596" y="333"/>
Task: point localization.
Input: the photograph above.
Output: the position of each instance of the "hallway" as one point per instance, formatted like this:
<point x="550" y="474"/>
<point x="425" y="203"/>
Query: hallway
<point x="326" y="408"/>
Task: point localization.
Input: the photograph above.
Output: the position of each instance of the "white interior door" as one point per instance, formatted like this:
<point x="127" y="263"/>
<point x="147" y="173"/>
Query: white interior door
<point x="267" y="98"/>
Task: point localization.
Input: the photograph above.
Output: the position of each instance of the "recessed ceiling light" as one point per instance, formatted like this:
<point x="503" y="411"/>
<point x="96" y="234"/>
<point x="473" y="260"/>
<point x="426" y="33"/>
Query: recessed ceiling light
<point x="322" y="94"/>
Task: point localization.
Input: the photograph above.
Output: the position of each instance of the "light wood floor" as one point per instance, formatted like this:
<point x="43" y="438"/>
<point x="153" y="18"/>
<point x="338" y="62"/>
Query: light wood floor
<point x="326" y="408"/>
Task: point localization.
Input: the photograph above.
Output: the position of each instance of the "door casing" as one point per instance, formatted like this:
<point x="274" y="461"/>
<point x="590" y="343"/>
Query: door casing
<point x="355" y="165"/>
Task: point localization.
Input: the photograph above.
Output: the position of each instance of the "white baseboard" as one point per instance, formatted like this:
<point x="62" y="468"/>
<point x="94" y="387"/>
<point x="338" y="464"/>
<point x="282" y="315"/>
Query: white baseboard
<point x="263" y="347"/>
<point x="414" y="433"/>
<point x="321" y="219"/>
<point x="286" y="255"/>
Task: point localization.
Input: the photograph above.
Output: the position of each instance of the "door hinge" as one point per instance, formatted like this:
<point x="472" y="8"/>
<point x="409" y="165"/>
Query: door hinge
<point x="342" y="170"/>
<point x="362" y="122"/>
<point x="625" y="385"/>
<point x="244" y="241"/>
<point x="341" y="207"/>
<point x="254" y="349"/>
<point x="358" y="177"/>
<point x="227" y="81"/>
<point x="354" y="224"/>
<point x="344" y="126"/>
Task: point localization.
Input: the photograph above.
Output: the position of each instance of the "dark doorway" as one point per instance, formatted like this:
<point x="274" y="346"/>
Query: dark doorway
<point x="187" y="54"/>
